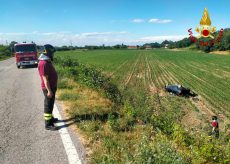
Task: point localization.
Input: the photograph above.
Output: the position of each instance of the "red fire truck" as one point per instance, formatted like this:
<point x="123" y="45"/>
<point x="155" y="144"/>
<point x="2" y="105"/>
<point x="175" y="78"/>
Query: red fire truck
<point x="26" y="54"/>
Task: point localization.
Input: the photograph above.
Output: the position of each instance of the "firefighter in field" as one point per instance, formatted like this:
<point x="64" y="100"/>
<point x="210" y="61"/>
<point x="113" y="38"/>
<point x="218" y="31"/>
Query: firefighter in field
<point x="215" y="127"/>
<point x="49" y="79"/>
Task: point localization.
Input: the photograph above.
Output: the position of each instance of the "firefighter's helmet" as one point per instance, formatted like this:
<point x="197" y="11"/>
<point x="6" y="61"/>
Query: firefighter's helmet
<point x="48" y="49"/>
<point x="214" y="117"/>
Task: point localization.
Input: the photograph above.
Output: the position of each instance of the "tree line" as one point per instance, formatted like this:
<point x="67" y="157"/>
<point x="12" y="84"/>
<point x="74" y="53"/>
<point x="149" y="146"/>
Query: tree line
<point x="206" y="44"/>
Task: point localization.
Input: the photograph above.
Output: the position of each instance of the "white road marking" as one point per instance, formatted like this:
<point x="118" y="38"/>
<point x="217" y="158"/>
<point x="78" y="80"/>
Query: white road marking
<point x="70" y="149"/>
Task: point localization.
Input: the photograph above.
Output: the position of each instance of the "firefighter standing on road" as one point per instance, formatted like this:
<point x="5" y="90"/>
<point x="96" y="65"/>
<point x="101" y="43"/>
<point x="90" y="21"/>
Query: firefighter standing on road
<point x="49" y="79"/>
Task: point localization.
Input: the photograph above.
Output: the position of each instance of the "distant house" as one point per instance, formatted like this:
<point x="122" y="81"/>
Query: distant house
<point x="148" y="47"/>
<point x="166" y="45"/>
<point x="132" y="47"/>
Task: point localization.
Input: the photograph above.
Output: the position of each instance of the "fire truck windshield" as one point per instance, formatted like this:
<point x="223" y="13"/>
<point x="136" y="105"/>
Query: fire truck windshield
<point x="25" y="48"/>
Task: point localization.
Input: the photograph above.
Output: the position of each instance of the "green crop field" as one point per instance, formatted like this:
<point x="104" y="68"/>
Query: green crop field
<point x="207" y="75"/>
<point x="149" y="124"/>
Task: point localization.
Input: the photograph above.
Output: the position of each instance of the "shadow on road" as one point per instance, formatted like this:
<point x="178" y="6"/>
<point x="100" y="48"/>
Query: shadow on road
<point x="28" y="67"/>
<point x="68" y="122"/>
<point x="87" y="117"/>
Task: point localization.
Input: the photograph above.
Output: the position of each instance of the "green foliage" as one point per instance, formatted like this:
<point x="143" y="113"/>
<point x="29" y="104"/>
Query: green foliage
<point x="153" y="45"/>
<point x="113" y="122"/>
<point x="4" y="52"/>
<point x="182" y="137"/>
<point x="186" y="42"/>
<point x="90" y="126"/>
<point x="63" y="84"/>
<point x="159" y="150"/>
<point x="88" y="76"/>
<point x="125" y="120"/>
<point x="208" y="150"/>
<point x="163" y="122"/>
<point x="67" y="96"/>
<point x="204" y="44"/>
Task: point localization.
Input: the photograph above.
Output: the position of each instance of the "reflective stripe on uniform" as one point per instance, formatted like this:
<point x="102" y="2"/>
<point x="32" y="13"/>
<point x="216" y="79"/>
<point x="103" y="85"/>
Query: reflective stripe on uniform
<point x="47" y="116"/>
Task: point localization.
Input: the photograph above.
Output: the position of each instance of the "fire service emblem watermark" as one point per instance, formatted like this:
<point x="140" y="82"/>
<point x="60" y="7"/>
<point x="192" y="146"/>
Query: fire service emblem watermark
<point x="205" y="30"/>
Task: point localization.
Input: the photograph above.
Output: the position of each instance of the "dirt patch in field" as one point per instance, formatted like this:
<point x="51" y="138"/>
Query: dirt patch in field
<point x="226" y="74"/>
<point x="191" y="120"/>
<point x="220" y="52"/>
<point x="153" y="89"/>
<point x="158" y="91"/>
<point x="207" y="113"/>
<point x="199" y="119"/>
<point x="140" y="75"/>
<point x="201" y="105"/>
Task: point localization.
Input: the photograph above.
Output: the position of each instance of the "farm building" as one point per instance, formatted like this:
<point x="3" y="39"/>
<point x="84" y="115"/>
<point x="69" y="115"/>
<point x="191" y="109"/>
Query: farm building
<point x="132" y="47"/>
<point x="148" y="47"/>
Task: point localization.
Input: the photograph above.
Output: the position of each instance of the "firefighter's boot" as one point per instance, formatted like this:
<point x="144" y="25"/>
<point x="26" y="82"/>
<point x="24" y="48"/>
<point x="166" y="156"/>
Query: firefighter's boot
<point x="49" y="125"/>
<point x="54" y="120"/>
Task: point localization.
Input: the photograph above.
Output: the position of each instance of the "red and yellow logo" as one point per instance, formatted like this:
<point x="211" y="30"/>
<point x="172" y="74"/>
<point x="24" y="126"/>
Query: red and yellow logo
<point x="205" y="30"/>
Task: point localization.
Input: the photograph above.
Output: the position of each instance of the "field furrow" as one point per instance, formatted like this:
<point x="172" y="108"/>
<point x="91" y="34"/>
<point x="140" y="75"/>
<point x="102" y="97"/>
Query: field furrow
<point x="131" y="72"/>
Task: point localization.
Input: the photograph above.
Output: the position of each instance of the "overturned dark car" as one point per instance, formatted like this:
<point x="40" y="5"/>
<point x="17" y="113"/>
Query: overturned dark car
<point x="179" y="90"/>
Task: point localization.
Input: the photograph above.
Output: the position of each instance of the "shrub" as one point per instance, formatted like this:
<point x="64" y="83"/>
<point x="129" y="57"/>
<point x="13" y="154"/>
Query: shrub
<point x="88" y="76"/>
<point x="163" y="122"/>
<point x="158" y="150"/>
<point x="207" y="150"/>
<point x="182" y="137"/>
<point x="4" y="51"/>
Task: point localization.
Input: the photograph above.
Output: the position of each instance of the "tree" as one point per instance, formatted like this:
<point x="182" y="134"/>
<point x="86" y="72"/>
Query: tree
<point x="11" y="45"/>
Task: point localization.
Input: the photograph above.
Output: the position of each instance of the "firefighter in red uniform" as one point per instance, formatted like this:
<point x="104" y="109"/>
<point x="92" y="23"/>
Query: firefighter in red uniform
<point x="49" y="79"/>
<point x="215" y="127"/>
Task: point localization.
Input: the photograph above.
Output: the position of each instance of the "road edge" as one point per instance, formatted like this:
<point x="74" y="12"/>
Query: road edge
<point x="71" y="151"/>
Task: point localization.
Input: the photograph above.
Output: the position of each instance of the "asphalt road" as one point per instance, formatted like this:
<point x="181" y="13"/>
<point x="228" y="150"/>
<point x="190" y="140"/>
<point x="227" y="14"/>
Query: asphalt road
<point x="23" y="138"/>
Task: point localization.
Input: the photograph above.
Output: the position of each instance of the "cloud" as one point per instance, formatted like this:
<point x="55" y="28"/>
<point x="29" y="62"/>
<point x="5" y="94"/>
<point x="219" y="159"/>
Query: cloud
<point x="14" y="34"/>
<point x="81" y="39"/>
<point x="96" y="34"/>
<point x="161" y="38"/>
<point x="64" y="37"/>
<point x="138" y="20"/>
<point x="48" y="33"/>
<point x="155" y="20"/>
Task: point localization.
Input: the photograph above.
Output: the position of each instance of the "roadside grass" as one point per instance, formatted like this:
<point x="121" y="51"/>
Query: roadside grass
<point x="83" y="100"/>
<point x="132" y="124"/>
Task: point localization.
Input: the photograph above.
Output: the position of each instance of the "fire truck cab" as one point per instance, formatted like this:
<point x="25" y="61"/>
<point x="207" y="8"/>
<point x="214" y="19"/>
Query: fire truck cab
<point x="26" y="54"/>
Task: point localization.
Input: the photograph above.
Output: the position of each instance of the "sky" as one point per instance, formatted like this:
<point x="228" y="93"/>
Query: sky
<point x="108" y="22"/>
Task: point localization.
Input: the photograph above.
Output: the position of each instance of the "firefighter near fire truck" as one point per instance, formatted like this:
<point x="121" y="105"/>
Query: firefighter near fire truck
<point x="49" y="77"/>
